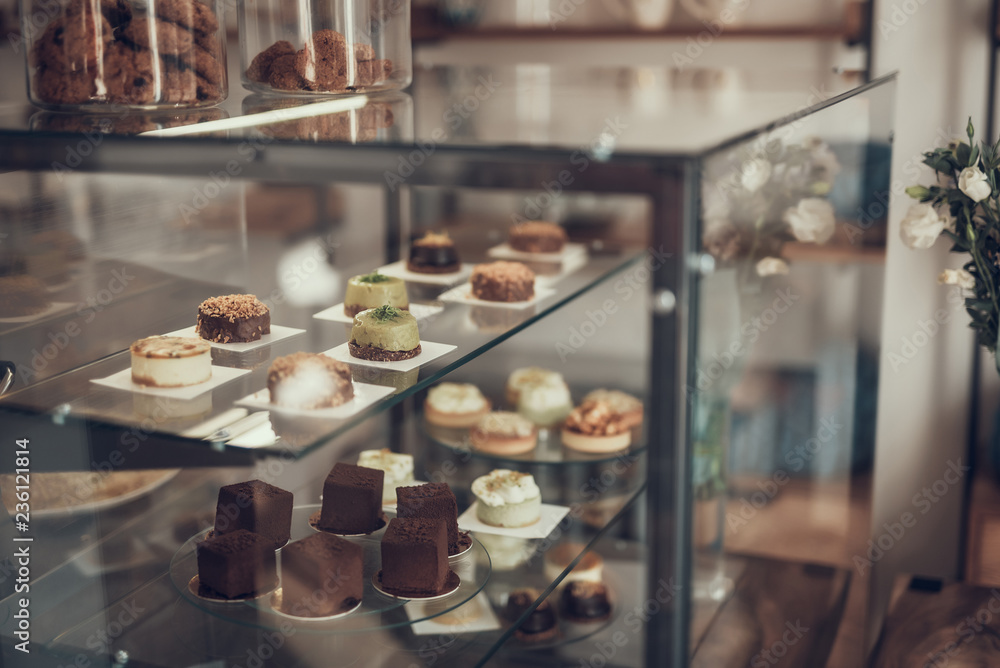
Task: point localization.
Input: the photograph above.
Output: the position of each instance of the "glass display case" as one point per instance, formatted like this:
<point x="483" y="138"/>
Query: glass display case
<point x="720" y="224"/>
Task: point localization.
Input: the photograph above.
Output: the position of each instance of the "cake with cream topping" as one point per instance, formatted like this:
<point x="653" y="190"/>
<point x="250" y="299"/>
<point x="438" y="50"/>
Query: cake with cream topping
<point x="507" y="499"/>
<point x="309" y="381"/>
<point x="455" y="405"/>
<point x="504" y="433"/>
<point x="170" y="361"/>
<point x="233" y="319"/>
<point x="398" y="469"/>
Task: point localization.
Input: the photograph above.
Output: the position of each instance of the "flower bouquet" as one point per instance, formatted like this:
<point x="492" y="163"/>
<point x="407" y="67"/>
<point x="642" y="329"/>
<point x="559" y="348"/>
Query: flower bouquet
<point x="964" y="206"/>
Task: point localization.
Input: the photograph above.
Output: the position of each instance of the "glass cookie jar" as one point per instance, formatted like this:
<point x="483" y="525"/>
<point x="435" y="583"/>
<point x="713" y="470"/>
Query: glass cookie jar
<point x="325" y="47"/>
<point x="146" y="54"/>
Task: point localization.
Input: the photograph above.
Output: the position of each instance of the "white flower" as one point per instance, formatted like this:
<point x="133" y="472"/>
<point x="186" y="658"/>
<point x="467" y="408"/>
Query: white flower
<point x="812" y="220"/>
<point x="974" y="183"/>
<point x="948" y="219"/>
<point x="755" y="174"/>
<point x="921" y="227"/>
<point x="772" y="266"/>
<point x="959" y="277"/>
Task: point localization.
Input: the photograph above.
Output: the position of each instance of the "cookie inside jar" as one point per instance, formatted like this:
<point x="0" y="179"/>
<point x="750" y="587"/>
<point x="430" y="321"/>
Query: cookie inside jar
<point x="326" y="48"/>
<point x="130" y="53"/>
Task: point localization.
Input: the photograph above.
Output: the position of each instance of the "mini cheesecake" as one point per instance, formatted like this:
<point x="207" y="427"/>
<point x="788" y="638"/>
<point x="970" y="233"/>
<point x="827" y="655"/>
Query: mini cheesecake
<point x="546" y="404"/>
<point x="374" y="290"/>
<point x="507" y="499"/>
<point x="528" y="376"/>
<point x="398" y="469"/>
<point x="170" y="361"/>
<point x="433" y="254"/>
<point x="627" y="406"/>
<point x="594" y="427"/>
<point x="309" y="381"/>
<point x="537" y="237"/>
<point x="233" y="319"/>
<point x="502" y="282"/>
<point x="504" y="433"/>
<point x="459" y="405"/>
<point x="384" y="334"/>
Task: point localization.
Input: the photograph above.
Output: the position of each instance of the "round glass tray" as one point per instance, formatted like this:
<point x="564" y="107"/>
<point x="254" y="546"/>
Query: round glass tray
<point x="377" y="610"/>
<point x="549" y="450"/>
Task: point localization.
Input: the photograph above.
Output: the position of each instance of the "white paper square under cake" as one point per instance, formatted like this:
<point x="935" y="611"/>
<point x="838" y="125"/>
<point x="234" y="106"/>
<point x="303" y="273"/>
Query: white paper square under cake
<point x="429" y="351"/>
<point x="418" y="311"/>
<point x="278" y="333"/>
<point x="123" y="381"/>
<point x="364" y="396"/>
<point x="463" y="295"/>
<point x="399" y="270"/>
<point x="471" y="617"/>
<point x="53" y="309"/>
<point x="551" y="516"/>
<point x="505" y="252"/>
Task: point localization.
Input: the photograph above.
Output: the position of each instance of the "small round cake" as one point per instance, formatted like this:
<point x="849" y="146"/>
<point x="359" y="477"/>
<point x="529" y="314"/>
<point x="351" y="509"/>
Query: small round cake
<point x="308" y="381"/>
<point x="433" y="254"/>
<point x="627" y="406"/>
<point x="507" y="499"/>
<point x="546" y="404"/>
<point x="585" y="602"/>
<point x="398" y="470"/>
<point x="21" y="296"/>
<point x="455" y="405"/>
<point x="527" y="377"/>
<point x="504" y="433"/>
<point x="589" y="569"/>
<point x="233" y="319"/>
<point x="594" y="427"/>
<point x="502" y="282"/>
<point x="541" y="625"/>
<point x="384" y="334"/>
<point x="537" y="237"/>
<point x="170" y="361"/>
<point x="374" y="290"/>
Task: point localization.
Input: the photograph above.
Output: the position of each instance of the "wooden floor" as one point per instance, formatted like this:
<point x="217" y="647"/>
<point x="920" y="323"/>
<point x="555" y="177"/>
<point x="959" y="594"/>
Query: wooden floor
<point x="811" y="521"/>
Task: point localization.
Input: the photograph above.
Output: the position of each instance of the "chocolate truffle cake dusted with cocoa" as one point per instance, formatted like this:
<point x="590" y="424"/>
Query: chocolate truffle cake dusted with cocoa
<point x="352" y="500"/>
<point x="502" y="282"/>
<point x="237" y="564"/>
<point x="255" y="506"/>
<point x="321" y="576"/>
<point x="434" y="500"/>
<point x="415" y="557"/>
<point x="309" y="381"/>
<point x="233" y="319"/>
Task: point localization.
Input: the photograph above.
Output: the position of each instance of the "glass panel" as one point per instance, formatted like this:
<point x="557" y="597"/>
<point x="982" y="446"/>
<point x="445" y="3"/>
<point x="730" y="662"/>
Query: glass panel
<point x="788" y="343"/>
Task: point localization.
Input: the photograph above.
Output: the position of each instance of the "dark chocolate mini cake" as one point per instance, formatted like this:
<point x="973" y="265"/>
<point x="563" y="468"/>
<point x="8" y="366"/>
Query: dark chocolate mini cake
<point x="433" y="254"/>
<point x="352" y="500"/>
<point x="502" y="282"/>
<point x="237" y="564"/>
<point x="415" y="557"/>
<point x="233" y="319"/>
<point x="321" y="576"/>
<point x="540" y="626"/>
<point x="255" y="506"/>
<point x="585" y="602"/>
<point x="434" y="500"/>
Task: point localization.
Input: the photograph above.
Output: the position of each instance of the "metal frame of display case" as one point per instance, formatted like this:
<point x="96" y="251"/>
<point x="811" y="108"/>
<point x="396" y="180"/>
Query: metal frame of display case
<point x="672" y="186"/>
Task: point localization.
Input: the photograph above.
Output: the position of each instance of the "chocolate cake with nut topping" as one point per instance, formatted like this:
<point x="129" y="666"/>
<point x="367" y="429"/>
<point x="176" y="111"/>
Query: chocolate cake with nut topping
<point x="233" y="319"/>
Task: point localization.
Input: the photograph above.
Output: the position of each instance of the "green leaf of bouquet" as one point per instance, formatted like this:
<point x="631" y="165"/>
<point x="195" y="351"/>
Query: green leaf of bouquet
<point x="919" y="192"/>
<point x="962" y="153"/>
<point x="974" y="156"/>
